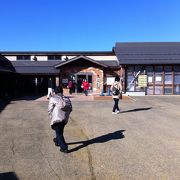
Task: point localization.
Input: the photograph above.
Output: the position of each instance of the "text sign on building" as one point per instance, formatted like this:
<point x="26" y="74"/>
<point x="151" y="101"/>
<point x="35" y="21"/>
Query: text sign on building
<point x="64" y="81"/>
<point x="142" y="80"/>
<point x="110" y="80"/>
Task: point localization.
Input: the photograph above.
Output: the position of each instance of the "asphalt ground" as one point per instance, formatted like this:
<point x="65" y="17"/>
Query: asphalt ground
<point x="142" y="142"/>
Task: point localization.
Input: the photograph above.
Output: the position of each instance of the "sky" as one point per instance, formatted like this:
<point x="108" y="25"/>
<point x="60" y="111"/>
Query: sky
<point x="86" y="25"/>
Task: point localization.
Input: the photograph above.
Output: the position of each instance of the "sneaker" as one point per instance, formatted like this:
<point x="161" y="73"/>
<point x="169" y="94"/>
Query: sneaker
<point x="117" y="112"/>
<point x="113" y="112"/>
<point x="64" y="150"/>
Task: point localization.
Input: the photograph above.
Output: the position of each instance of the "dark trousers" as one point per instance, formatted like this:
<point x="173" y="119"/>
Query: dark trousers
<point x="86" y="92"/>
<point x="116" y="101"/>
<point x="70" y="90"/>
<point x="59" y="129"/>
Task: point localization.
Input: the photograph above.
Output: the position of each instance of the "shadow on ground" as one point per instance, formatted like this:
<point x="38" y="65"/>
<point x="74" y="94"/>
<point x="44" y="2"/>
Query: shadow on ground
<point x="101" y="139"/>
<point x="8" y="176"/>
<point x="136" y="109"/>
<point x="28" y="98"/>
<point x="4" y="103"/>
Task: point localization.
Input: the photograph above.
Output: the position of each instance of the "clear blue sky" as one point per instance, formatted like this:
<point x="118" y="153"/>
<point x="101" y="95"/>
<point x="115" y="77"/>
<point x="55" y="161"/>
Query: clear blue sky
<point x="85" y="25"/>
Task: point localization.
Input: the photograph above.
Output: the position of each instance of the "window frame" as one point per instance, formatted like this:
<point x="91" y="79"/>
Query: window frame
<point x="54" y="57"/>
<point x="23" y="57"/>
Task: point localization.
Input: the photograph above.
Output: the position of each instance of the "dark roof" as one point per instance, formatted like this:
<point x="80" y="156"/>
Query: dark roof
<point x="6" y="65"/>
<point x="36" y="67"/>
<point x="81" y="57"/>
<point x="148" y="53"/>
<point x="110" y="63"/>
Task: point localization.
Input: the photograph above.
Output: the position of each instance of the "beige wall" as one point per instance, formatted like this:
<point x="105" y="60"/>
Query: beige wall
<point x="103" y="57"/>
<point x="11" y="58"/>
<point x="40" y="58"/>
<point x="44" y="58"/>
<point x="69" y="57"/>
<point x="95" y="57"/>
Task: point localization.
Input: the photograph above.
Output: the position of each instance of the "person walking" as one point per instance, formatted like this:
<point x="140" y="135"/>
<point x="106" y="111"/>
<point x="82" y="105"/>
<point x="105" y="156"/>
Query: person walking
<point x="85" y="85"/>
<point x="70" y="86"/>
<point x="59" y="109"/>
<point x="116" y="89"/>
<point x="50" y="88"/>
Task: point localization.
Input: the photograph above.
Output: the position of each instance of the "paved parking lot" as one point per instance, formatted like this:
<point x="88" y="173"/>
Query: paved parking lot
<point x="142" y="142"/>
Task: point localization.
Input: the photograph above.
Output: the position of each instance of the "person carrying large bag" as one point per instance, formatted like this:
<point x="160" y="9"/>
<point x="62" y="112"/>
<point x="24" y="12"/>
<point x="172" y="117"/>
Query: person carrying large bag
<point x="59" y="109"/>
<point x="116" y="90"/>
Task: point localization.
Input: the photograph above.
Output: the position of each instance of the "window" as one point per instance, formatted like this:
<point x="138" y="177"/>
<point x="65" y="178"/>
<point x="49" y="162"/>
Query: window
<point x="132" y="78"/>
<point x="158" y="79"/>
<point x="168" y="78"/>
<point x="158" y="90"/>
<point x="158" y="75"/>
<point x="139" y="68"/>
<point x="161" y="79"/>
<point x="168" y="69"/>
<point x="158" y="69"/>
<point x="150" y="79"/>
<point x="150" y="90"/>
<point x="54" y="57"/>
<point x="177" y="79"/>
<point x="130" y="69"/>
<point x="149" y="69"/>
<point x="177" y="89"/>
<point x="23" y="57"/>
<point x="168" y="89"/>
<point x="177" y="69"/>
<point x="130" y="82"/>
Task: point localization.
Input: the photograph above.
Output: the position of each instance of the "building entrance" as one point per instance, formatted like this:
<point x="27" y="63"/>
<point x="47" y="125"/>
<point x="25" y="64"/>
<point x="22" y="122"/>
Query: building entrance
<point x="79" y="79"/>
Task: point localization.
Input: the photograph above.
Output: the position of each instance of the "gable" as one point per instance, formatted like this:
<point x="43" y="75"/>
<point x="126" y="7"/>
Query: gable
<point x="80" y="61"/>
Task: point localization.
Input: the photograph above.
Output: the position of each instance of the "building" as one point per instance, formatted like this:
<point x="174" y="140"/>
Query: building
<point x="151" y="68"/>
<point x="35" y="68"/>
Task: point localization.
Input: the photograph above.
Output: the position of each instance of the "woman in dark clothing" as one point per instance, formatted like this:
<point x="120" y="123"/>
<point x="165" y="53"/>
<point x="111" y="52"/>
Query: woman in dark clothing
<point x="116" y="96"/>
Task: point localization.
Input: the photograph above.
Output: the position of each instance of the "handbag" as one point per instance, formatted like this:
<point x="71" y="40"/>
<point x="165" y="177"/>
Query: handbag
<point x="115" y="91"/>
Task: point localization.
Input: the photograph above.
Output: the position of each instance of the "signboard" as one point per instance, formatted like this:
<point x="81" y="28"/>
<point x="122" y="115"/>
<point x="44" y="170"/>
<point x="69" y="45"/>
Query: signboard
<point x="110" y="80"/>
<point x="64" y="81"/>
<point x="150" y="79"/>
<point x="142" y="80"/>
<point x="158" y="78"/>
